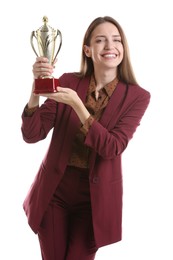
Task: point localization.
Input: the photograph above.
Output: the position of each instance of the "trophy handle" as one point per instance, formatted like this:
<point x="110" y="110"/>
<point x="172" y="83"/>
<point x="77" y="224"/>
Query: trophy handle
<point x="31" y="40"/>
<point x="60" y="35"/>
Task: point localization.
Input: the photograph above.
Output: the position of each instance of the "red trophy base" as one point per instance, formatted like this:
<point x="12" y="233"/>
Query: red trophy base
<point x="46" y="85"/>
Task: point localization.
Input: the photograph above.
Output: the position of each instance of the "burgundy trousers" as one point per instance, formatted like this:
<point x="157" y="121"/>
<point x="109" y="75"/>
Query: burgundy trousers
<point x="66" y="231"/>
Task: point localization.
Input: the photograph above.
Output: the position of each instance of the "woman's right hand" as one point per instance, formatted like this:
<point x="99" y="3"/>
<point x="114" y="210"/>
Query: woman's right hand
<point x="42" y="67"/>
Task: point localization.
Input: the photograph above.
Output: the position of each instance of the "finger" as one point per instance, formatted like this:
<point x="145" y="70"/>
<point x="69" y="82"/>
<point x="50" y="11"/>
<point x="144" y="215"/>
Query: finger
<point x="43" y="65"/>
<point x="42" y="59"/>
<point x="42" y="68"/>
<point x="40" y="74"/>
<point x="61" y="89"/>
<point x="43" y="95"/>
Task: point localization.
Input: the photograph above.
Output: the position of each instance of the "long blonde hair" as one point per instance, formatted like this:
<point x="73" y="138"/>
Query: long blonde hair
<point x="125" y="71"/>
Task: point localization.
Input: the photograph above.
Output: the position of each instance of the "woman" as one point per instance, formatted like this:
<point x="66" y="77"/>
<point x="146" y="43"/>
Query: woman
<point x="75" y="201"/>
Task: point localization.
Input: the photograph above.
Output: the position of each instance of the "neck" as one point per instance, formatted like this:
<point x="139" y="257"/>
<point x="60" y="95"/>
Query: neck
<point x="103" y="78"/>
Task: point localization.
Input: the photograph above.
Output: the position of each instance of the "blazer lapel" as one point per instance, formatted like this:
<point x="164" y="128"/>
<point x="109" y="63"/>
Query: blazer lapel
<point x="114" y="105"/>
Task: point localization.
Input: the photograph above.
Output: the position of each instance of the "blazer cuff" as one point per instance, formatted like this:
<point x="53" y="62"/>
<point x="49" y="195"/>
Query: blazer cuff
<point x="86" y="126"/>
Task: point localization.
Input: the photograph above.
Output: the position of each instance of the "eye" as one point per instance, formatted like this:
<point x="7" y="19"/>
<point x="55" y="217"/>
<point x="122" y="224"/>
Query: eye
<point x="117" y="40"/>
<point x="98" y="40"/>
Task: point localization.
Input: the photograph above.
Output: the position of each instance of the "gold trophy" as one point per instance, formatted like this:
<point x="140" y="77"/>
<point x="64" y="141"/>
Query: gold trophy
<point x="46" y="38"/>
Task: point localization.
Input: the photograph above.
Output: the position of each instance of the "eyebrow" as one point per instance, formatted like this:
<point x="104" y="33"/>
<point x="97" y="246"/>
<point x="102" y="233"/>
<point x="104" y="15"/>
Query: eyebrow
<point x="116" y="35"/>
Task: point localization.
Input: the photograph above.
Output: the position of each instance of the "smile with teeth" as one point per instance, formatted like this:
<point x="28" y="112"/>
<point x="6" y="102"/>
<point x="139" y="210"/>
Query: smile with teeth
<point x="109" y="55"/>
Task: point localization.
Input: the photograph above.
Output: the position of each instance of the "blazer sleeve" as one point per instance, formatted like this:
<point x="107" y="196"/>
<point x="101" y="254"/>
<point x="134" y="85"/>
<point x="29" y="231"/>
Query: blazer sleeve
<point x="109" y="143"/>
<point x="36" y="127"/>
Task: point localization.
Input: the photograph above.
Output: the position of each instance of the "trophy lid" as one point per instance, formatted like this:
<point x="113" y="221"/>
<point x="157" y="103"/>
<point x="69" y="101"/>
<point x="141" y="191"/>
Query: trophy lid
<point x="45" y="27"/>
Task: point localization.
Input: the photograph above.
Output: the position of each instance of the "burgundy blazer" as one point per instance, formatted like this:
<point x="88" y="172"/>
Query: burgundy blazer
<point x="108" y="138"/>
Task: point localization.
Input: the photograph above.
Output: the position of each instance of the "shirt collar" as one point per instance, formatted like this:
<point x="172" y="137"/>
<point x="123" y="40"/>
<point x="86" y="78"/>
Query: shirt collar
<point x="109" y="88"/>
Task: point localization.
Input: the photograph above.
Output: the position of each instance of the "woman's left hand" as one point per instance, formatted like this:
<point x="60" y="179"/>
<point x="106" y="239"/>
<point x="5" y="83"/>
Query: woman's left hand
<point x="63" y="95"/>
<point x="70" y="97"/>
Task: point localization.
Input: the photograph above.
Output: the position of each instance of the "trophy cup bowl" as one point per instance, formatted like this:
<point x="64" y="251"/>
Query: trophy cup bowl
<point x="46" y="38"/>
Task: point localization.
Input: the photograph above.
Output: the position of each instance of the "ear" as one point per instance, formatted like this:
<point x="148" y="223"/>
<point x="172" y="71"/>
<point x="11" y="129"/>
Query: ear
<point x="86" y="49"/>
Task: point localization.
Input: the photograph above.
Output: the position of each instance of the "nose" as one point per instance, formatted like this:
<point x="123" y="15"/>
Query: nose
<point x="108" y="45"/>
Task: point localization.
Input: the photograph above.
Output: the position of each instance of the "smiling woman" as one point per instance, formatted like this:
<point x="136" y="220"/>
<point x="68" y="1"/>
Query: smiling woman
<point x="105" y="49"/>
<point x="75" y="202"/>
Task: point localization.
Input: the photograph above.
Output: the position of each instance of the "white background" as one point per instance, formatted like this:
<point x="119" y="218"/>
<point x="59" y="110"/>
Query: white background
<point x="147" y="162"/>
